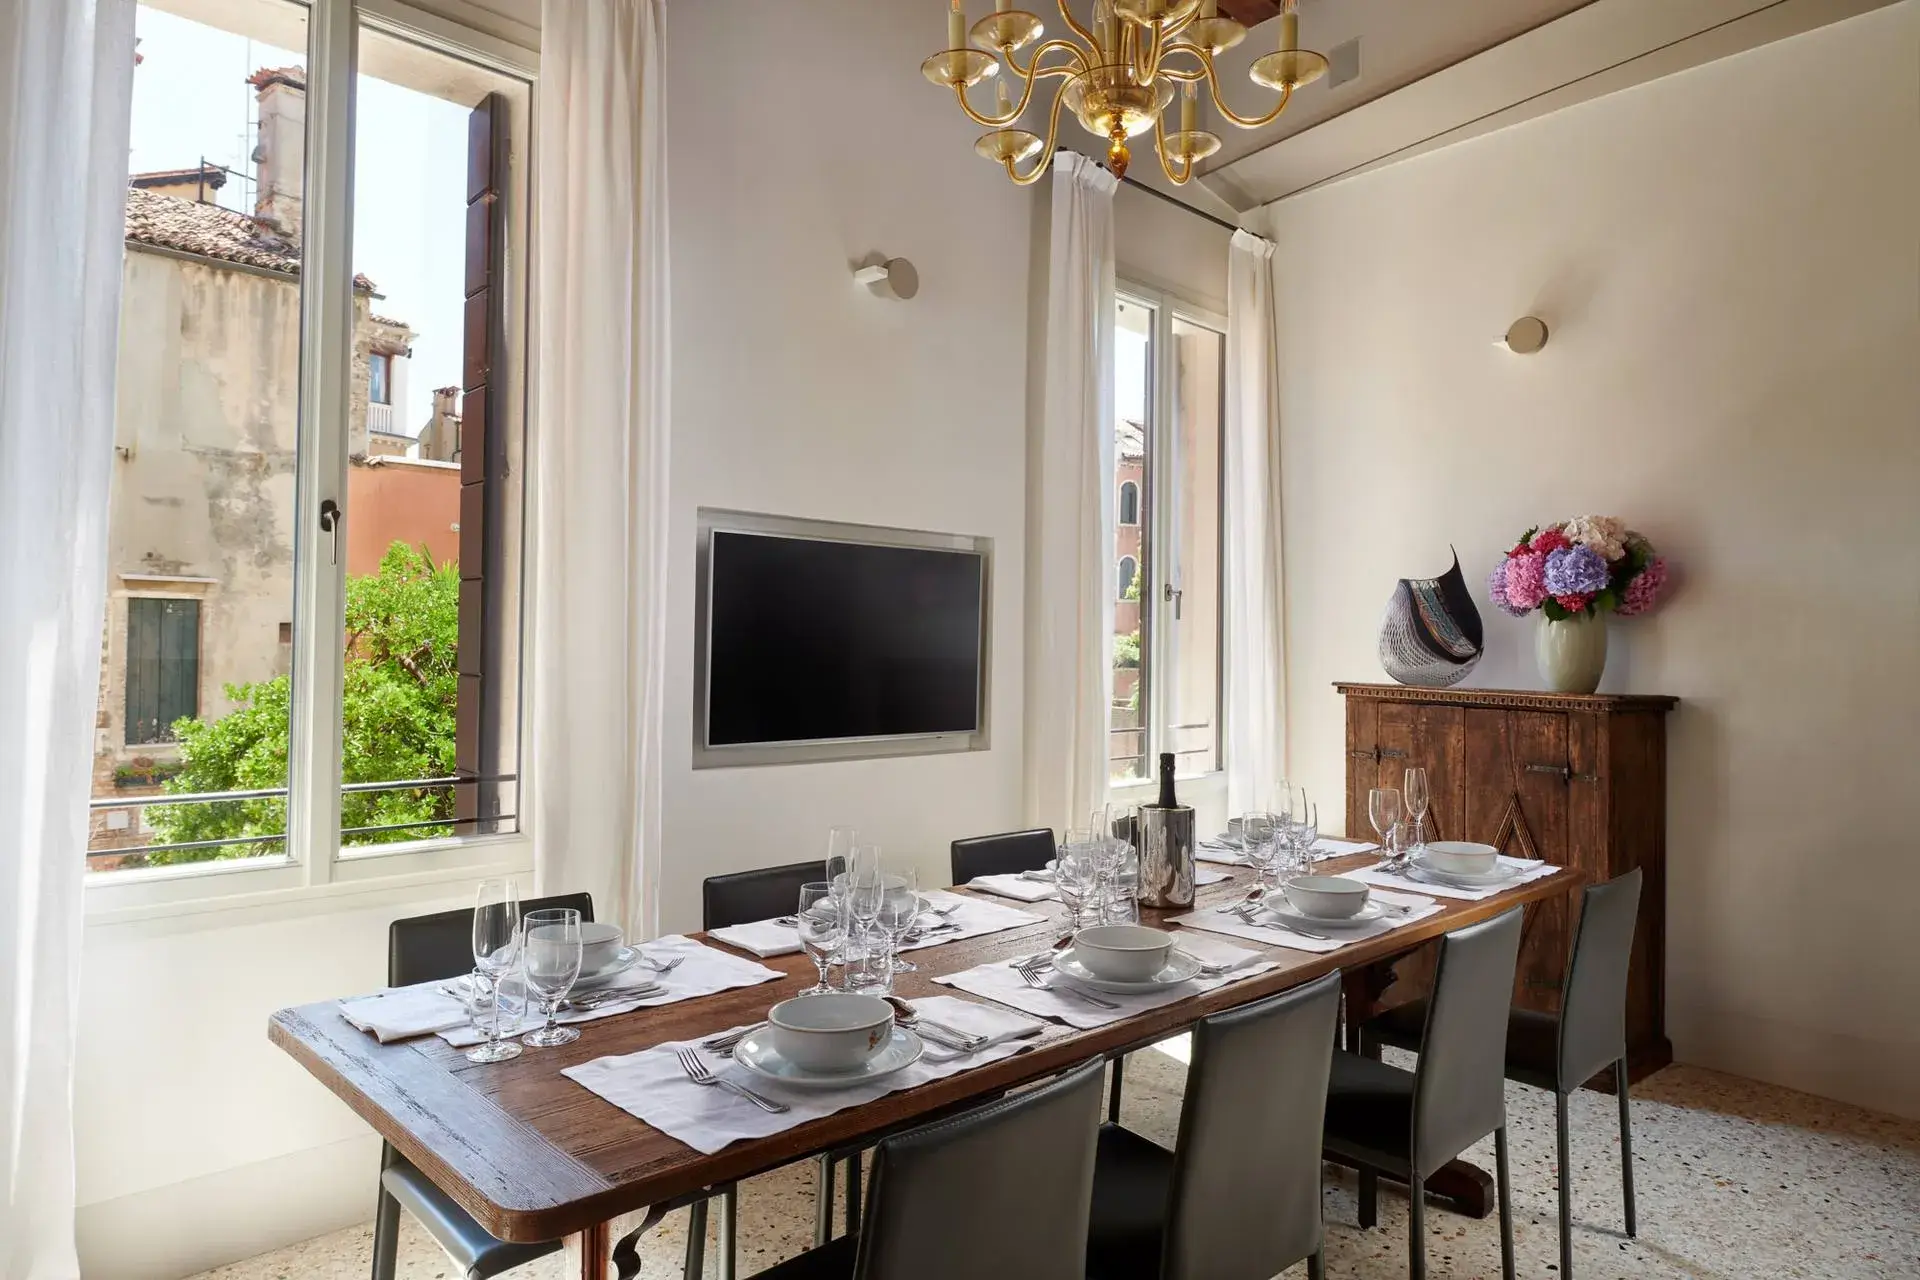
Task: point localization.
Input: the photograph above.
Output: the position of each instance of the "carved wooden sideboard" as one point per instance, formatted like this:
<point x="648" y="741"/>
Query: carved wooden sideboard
<point x="1577" y="779"/>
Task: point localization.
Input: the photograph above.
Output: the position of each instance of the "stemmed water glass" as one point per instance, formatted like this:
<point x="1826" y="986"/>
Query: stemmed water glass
<point x="901" y="907"/>
<point x="1383" y="811"/>
<point x="865" y="890"/>
<point x="1306" y="830"/>
<point x="1259" y="843"/>
<point x="821" y="922"/>
<point x="1415" y="794"/>
<point x="553" y="963"/>
<point x="841" y="842"/>
<point x="496" y="949"/>
<point x="1077" y="876"/>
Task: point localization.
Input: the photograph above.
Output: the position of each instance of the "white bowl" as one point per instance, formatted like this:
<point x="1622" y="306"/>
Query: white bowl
<point x="832" y="1032"/>
<point x="1328" y="897"/>
<point x="1122" y="952"/>
<point x="600" y="945"/>
<point x="1461" y="857"/>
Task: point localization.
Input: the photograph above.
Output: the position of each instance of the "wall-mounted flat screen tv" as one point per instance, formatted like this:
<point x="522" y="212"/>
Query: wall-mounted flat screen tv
<point x="828" y="641"/>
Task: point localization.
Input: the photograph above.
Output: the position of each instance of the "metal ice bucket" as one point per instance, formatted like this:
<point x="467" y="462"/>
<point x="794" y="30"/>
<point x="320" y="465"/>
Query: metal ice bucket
<point x="1166" y="856"/>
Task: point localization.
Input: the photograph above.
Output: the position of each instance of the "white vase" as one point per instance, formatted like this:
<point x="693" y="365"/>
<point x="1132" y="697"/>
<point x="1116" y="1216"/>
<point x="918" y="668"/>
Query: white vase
<point x="1572" y="653"/>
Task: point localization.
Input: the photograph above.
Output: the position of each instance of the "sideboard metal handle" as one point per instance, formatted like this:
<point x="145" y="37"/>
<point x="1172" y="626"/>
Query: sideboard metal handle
<point x="1392" y="753"/>
<point x="1564" y="771"/>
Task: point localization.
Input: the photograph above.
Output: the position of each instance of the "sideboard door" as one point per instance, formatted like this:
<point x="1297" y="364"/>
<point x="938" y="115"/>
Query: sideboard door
<point x="1516" y="798"/>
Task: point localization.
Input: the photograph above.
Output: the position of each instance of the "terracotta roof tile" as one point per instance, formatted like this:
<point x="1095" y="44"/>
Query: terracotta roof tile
<point x="211" y="231"/>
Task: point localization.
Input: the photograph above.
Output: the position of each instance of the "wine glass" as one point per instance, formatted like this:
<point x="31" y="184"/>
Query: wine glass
<point x="1077" y="875"/>
<point x="821" y="923"/>
<point x="1258" y="832"/>
<point x="553" y="963"/>
<point x="901" y="907"/>
<point x="840" y="846"/>
<point x="1383" y="810"/>
<point x="1306" y="830"/>
<point x="1416" y="799"/>
<point x="496" y="949"/>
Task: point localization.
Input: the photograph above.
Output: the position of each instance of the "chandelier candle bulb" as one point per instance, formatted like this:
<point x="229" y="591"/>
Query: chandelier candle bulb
<point x="956" y="26"/>
<point x="1209" y="9"/>
<point x="1001" y="6"/>
<point x="1189" y="107"/>
<point x="1003" y="98"/>
<point x="1289" y="31"/>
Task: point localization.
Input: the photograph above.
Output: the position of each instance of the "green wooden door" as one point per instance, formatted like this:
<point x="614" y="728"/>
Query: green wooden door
<point x="163" y="666"/>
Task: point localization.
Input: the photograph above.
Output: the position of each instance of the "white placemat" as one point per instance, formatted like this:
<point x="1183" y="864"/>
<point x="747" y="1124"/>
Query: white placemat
<point x="1529" y="869"/>
<point x="1021" y="889"/>
<point x="999" y="982"/>
<point x="651" y="1086"/>
<point x="703" y="971"/>
<point x="1222" y="920"/>
<point x="974" y="917"/>
<point x="1325" y="847"/>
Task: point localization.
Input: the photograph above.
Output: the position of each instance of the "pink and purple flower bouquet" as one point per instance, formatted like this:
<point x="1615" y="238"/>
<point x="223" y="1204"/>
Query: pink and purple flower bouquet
<point x="1587" y="566"/>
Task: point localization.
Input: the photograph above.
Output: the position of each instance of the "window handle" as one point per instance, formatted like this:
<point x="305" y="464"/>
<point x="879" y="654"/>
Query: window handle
<point x="330" y="518"/>
<point x="1170" y="593"/>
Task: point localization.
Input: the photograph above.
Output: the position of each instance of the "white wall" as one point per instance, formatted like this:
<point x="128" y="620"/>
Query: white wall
<point x="798" y="393"/>
<point x="1730" y="260"/>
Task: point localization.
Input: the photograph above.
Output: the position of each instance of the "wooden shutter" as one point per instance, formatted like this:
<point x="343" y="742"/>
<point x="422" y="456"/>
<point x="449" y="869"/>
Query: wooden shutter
<point x="482" y="455"/>
<point x="163" y="666"/>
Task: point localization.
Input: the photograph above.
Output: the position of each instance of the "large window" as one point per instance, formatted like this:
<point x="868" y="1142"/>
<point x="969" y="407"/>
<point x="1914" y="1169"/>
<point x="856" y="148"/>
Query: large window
<point x="1169" y="363"/>
<point x="313" y="628"/>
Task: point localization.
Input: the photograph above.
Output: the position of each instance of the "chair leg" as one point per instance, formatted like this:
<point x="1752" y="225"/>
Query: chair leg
<point x="1369" y="1199"/>
<point x="1113" y="1098"/>
<point x="1563" y="1146"/>
<point x="1317" y="1264"/>
<point x="823" y="1189"/>
<point x="386" y="1235"/>
<point x="696" y="1265"/>
<point x="1504" y="1185"/>
<point x="1626" y="1141"/>
<point x="1417" y="1228"/>
<point x="729" y="1228"/>
<point x="853" y="1193"/>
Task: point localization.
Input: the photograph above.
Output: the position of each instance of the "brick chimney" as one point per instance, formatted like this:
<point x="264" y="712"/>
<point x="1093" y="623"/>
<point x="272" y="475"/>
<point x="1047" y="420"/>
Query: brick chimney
<point x="440" y="441"/>
<point x="280" y="155"/>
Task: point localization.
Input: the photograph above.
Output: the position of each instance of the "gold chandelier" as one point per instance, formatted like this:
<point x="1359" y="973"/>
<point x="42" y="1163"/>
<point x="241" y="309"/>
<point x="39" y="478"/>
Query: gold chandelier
<point x="1118" y="77"/>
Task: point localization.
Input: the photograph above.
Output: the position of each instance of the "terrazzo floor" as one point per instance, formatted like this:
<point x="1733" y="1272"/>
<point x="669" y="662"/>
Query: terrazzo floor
<point x="1734" y="1179"/>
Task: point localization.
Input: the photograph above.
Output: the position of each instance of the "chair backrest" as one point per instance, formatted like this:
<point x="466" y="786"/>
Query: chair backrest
<point x="1001" y="1191"/>
<point x="1245" y="1202"/>
<point x="765" y="894"/>
<point x="1459" y="1091"/>
<point x="1593" y="1003"/>
<point x="429" y="948"/>
<point x="1001" y="855"/>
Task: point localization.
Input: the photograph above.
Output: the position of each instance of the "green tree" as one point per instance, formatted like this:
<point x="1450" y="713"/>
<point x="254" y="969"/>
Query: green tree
<point x="397" y="721"/>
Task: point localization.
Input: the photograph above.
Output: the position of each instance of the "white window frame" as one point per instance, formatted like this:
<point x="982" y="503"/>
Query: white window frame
<point x="313" y="867"/>
<point x="1159" y="525"/>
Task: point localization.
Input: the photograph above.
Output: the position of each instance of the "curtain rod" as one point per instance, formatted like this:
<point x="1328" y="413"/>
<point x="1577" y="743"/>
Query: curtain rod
<point x="1158" y="194"/>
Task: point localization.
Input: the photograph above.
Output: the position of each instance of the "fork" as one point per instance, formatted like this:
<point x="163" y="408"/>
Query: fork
<point x="724" y="1043"/>
<point x="938" y="1032"/>
<point x="1031" y="976"/>
<point x="698" y="1072"/>
<point x="1246" y="912"/>
<point x="659" y="966"/>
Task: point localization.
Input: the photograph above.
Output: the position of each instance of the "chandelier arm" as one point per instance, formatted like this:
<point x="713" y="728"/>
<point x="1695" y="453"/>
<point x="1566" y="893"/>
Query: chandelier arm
<point x="1073" y="24"/>
<point x="1046" y="153"/>
<point x="1160" y="148"/>
<point x="1149" y="44"/>
<point x="1174" y="72"/>
<point x="1026" y="97"/>
<point x="1033" y="67"/>
<point x="1245" y="122"/>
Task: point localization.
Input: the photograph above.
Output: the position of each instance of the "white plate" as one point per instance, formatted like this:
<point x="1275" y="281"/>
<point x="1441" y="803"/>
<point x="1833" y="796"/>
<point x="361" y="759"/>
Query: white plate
<point x="1501" y="874"/>
<point x="1283" y="909"/>
<point x="1179" y="968"/>
<point x="623" y="959"/>
<point x="756" y="1053"/>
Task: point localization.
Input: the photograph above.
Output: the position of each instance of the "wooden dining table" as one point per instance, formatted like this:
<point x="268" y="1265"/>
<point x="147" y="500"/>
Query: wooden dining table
<point x="533" y="1156"/>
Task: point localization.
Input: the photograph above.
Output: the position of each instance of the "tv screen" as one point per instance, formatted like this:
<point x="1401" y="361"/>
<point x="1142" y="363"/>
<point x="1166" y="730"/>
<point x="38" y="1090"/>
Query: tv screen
<point x="812" y="640"/>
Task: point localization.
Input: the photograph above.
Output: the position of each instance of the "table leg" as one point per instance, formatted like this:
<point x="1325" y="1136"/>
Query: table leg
<point x="1467" y="1188"/>
<point x="595" y="1244"/>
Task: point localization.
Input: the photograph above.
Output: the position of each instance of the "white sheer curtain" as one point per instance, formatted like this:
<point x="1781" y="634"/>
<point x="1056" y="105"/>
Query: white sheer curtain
<point x="1070" y="554"/>
<point x="600" y="516"/>
<point x="66" y="80"/>
<point x="1255" y="619"/>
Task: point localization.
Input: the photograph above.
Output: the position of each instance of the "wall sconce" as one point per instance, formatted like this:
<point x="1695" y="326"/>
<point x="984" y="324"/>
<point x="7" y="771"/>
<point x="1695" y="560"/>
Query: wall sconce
<point x="888" y="277"/>
<point x="1524" y="336"/>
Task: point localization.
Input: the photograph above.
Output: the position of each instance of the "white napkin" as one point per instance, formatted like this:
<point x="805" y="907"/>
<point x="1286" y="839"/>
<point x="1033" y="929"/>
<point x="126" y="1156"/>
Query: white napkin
<point x="998" y="1026"/>
<point x="1000" y="983"/>
<point x="1023" y="890"/>
<point x="763" y="938"/>
<point x="1529" y="869"/>
<point x="704" y="971"/>
<point x="974" y="918"/>
<point x="401" y="1013"/>
<point x="651" y="1086"/>
<point x="1222" y="920"/>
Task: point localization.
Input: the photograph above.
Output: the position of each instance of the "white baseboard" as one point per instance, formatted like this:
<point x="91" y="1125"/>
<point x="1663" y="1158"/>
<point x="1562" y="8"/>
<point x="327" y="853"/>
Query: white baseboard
<point x="1883" y="1075"/>
<point x="187" y="1227"/>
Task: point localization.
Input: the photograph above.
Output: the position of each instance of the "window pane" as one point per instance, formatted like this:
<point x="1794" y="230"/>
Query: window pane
<point x="193" y="686"/>
<point x="1132" y="394"/>
<point x="433" y="445"/>
<point x="1191" y="649"/>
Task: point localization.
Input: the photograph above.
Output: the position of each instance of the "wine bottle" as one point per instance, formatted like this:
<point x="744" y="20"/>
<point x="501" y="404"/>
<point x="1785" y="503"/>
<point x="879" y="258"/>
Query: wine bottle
<point x="1167" y="800"/>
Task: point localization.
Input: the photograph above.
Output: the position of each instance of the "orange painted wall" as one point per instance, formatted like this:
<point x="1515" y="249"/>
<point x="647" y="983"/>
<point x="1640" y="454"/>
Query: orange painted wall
<point x="387" y="503"/>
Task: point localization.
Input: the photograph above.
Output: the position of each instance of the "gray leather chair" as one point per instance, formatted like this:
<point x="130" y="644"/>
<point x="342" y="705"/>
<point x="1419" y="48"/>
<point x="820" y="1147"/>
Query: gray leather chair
<point x="1562" y="1053"/>
<point x="430" y="949"/>
<point x="1409" y="1123"/>
<point x="1239" y="1197"/>
<point x="999" y="1192"/>
<point x="1001" y="855"/>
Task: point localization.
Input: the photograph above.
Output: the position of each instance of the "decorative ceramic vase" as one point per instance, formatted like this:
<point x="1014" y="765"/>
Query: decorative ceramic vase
<point x="1572" y="653"/>
<point x="1431" y="637"/>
